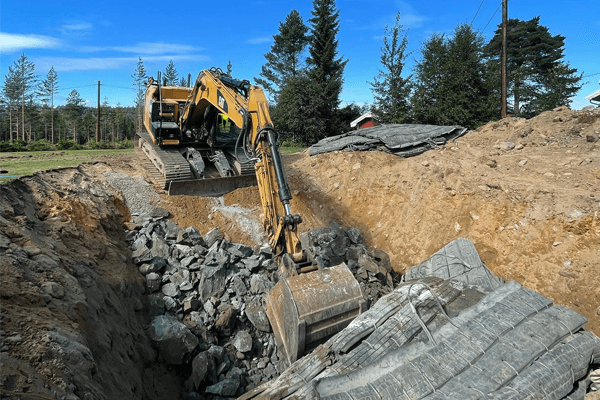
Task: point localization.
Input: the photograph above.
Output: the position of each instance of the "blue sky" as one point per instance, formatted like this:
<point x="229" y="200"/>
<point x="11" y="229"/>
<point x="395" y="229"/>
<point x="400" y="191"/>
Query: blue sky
<point x="102" y="40"/>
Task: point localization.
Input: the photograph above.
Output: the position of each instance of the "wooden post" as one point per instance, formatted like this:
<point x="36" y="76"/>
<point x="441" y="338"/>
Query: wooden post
<point x="98" y="119"/>
<point x="504" y="27"/>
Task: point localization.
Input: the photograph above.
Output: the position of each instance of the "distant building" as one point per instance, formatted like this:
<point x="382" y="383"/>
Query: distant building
<point x="366" y="120"/>
<point x="594" y="98"/>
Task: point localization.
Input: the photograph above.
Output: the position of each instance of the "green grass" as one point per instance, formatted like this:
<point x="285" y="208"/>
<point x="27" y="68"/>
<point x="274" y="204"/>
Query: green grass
<point x="27" y="163"/>
<point x="291" y="149"/>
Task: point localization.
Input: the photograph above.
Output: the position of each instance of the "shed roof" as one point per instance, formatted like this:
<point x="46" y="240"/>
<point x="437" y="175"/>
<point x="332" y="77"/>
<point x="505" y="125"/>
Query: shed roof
<point x="594" y="96"/>
<point x="366" y="115"/>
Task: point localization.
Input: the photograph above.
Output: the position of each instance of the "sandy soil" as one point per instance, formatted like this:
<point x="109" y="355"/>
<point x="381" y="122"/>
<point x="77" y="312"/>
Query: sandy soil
<point x="532" y="212"/>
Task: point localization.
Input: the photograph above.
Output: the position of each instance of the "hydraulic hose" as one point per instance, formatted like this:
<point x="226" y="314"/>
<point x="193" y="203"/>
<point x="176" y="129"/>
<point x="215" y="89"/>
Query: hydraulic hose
<point x="285" y="195"/>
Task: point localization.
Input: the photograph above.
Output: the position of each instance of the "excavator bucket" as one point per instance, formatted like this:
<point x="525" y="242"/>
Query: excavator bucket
<point x="306" y="309"/>
<point x="211" y="187"/>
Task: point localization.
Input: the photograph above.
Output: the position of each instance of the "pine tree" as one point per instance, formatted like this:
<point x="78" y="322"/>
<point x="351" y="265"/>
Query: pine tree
<point x="11" y="97"/>
<point x="139" y="78"/>
<point x="451" y="81"/>
<point x="325" y="69"/>
<point x="538" y="78"/>
<point x="170" y="77"/>
<point x="24" y="83"/>
<point x="229" y="68"/>
<point x="47" y="89"/>
<point x="295" y="115"/>
<point x="182" y="82"/>
<point x="391" y="91"/>
<point x="75" y="109"/>
<point x="284" y="59"/>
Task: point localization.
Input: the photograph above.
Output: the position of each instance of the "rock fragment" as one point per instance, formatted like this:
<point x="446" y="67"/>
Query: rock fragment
<point x="243" y="341"/>
<point x="173" y="339"/>
<point x="153" y="282"/>
<point x="213" y="236"/>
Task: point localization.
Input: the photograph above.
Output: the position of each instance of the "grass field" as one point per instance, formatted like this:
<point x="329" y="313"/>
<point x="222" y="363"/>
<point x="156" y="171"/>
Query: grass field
<point x="291" y="149"/>
<point x="27" y="163"/>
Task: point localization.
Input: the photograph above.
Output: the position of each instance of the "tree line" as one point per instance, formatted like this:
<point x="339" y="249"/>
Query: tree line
<point x="456" y="80"/>
<point x="29" y="119"/>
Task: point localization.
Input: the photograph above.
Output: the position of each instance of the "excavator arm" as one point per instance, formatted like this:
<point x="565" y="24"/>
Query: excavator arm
<point x="303" y="308"/>
<point x="247" y="107"/>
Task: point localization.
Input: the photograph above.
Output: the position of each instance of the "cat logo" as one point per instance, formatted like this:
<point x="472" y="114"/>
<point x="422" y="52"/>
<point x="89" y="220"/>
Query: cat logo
<point x="222" y="102"/>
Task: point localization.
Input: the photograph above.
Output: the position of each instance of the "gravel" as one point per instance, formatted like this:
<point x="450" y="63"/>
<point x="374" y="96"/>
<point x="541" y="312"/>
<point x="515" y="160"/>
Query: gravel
<point x="139" y="195"/>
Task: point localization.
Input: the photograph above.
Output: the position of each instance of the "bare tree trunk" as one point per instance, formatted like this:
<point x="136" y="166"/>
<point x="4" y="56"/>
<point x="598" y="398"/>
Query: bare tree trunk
<point x="517" y="106"/>
<point x="52" y="115"/>
<point x="10" y="127"/>
<point x="23" y="117"/>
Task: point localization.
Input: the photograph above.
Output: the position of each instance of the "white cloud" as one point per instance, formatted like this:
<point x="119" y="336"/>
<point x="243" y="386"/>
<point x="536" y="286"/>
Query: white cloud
<point x="12" y="42"/>
<point x="157" y="48"/>
<point x="76" y="27"/>
<point x="67" y="64"/>
<point x="259" y="40"/>
<point x="145" y="48"/>
<point x="409" y="18"/>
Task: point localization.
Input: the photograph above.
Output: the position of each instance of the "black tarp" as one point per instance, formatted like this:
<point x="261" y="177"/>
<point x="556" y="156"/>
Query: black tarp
<point x="404" y="140"/>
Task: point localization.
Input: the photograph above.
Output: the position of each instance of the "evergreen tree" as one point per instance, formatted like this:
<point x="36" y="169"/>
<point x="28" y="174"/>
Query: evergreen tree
<point x="295" y="115"/>
<point x="325" y="69"/>
<point x="284" y="59"/>
<point x="24" y="84"/>
<point x="47" y="89"/>
<point x="170" y="77"/>
<point x="348" y="114"/>
<point x="182" y="81"/>
<point x="75" y="109"/>
<point x="139" y="78"/>
<point x="391" y="91"/>
<point x="538" y="78"/>
<point x="451" y="81"/>
<point x="229" y="68"/>
<point x="10" y="97"/>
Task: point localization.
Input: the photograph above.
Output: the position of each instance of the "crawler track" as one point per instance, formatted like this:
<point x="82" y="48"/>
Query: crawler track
<point x="165" y="165"/>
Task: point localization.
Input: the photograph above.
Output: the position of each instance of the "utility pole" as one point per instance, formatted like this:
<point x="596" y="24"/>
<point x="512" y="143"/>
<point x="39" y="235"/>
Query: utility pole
<point x="504" y="28"/>
<point x="98" y="115"/>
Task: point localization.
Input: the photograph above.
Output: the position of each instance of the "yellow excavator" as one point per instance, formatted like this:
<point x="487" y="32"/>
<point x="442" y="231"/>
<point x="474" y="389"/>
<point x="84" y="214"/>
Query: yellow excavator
<point x="204" y="140"/>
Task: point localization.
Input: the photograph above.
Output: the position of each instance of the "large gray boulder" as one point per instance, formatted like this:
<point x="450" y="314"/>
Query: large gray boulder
<point x="173" y="339"/>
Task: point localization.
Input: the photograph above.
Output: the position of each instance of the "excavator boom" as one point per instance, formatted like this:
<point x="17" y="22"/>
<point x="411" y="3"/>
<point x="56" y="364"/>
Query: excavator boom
<point x="226" y="122"/>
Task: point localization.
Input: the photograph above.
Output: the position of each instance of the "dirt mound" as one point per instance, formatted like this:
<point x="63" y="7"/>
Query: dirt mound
<point x="526" y="192"/>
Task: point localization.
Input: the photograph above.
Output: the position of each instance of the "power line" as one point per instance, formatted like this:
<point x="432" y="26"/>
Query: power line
<point x="587" y="76"/>
<point x="486" y="25"/>
<point x="477" y="12"/>
<point x="118" y="87"/>
<point x="76" y="87"/>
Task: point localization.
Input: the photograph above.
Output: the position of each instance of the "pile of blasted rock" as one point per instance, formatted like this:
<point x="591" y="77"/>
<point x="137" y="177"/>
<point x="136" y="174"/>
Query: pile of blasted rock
<point x="332" y="245"/>
<point x="204" y="297"/>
